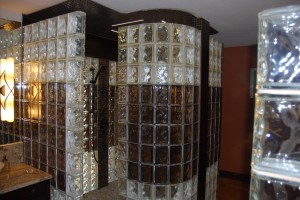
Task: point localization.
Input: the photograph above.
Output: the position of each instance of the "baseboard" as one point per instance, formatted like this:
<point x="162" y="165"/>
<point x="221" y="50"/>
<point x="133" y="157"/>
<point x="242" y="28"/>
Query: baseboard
<point x="236" y="176"/>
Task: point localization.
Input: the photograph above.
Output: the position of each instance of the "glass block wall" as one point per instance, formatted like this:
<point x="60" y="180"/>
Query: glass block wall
<point x="158" y="79"/>
<point x="214" y="117"/>
<point x="52" y="101"/>
<point x="11" y="46"/>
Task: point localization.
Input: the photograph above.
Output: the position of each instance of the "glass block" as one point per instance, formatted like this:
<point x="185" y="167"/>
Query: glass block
<point x="163" y="33"/>
<point x="74" y="70"/>
<point x="122" y="36"/>
<point x="121" y="75"/>
<point x="190" y="55"/>
<point x="194" y="185"/>
<point x="188" y="94"/>
<point x="133" y="152"/>
<point x="147" y="134"/>
<point x="61" y="137"/>
<point x="122" y="186"/>
<point x="147" y="53"/>
<point x="132" y="74"/>
<point x="27" y="52"/>
<point x="178" y="54"/>
<point x="161" y="115"/>
<point x="187" y="172"/>
<point x="52" y="27"/>
<point x="52" y="88"/>
<point x="146" y="32"/>
<point x="52" y="49"/>
<point x="198" y="39"/>
<point x="17" y="73"/>
<point x="121" y="169"/>
<point x="61" y="48"/>
<point x="161" y="192"/>
<point x="147" y="114"/>
<point x="51" y="71"/>
<point x="112" y="73"/>
<point x="17" y="54"/>
<point x="190" y="35"/>
<point x="122" y="112"/>
<point x="147" y="154"/>
<point x="43" y="50"/>
<point x="187" y="189"/>
<point x="61" y="93"/>
<point x="74" y="96"/>
<point x="197" y="57"/>
<point x="176" y="192"/>
<point x="146" y="192"/>
<point x="133" y="34"/>
<point x="146" y="94"/>
<point x="122" y="93"/>
<point x="61" y="115"/>
<point x="133" y="113"/>
<point x="74" y="117"/>
<point x="74" y="163"/>
<point x="74" y="185"/>
<point x="162" y="53"/>
<point x="175" y="154"/>
<point x="162" y="74"/>
<point x="176" y="174"/>
<point x="51" y="114"/>
<point x="61" y="162"/>
<point x="52" y="156"/>
<point x="133" y="133"/>
<point x="62" y="25"/>
<point x="74" y="140"/>
<point x="197" y="78"/>
<point x="17" y="36"/>
<point x="178" y="33"/>
<point x="34" y="111"/>
<point x="52" y="136"/>
<point x="122" y="150"/>
<point x="146" y="74"/>
<point x="43" y="30"/>
<point x="161" y="92"/>
<point x="176" y="115"/>
<point x="132" y="189"/>
<point x="76" y="22"/>
<point x="35" y="32"/>
<point x="34" y="72"/>
<point x="27" y="34"/>
<point x="161" y="155"/>
<point x="42" y="71"/>
<point x="133" y="171"/>
<point x="75" y="46"/>
<point x="122" y="131"/>
<point x="162" y="135"/>
<point x="188" y="114"/>
<point x="176" y="135"/>
<point x="122" y="55"/>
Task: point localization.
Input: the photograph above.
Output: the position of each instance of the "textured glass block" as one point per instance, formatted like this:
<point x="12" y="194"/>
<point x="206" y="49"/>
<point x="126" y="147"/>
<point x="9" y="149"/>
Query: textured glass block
<point x="132" y="189"/>
<point x="146" y="74"/>
<point x="76" y="22"/>
<point x="61" y="163"/>
<point x="190" y="35"/>
<point x="133" y="54"/>
<point x="198" y="39"/>
<point x="74" y="117"/>
<point x="162" y="53"/>
<point x="52" y="27"/>
<point x="133" y="93"/>
<point x="52" y="92"/>
<point x="132" y="74"/>
<point x="133" y="152"/>
<point x="74" y="140"/>
<point x="133" y="113"/>
<point x="176" y="192"/>
<point x="43" y="31"/>
<point x="147" y="114"/>
<point x="17" y="36"/>
<point x="61" y="48"/>
<point x="162" y="135"/>
<point x="147" y="134"/>
<point x="146" y="32"/>
<point x="122" y="150"/>
<point x="133" y="171"/>
<point x="122" y="36"/>
<point x="122" y="186"/>
<point x="133" y="34"/>
<point x="27" y="53"/>
<point x="176" y="115"/>
<point x="75" y="46"/>
<point x="74" y="70"/>
<point x="61" y="138"/>
<point x="52" y="156"/>
<point x="197" y="57"/>
<point x="178" y="54"/>
<point x="190" y="55"/>
<point x="146" y="94"/>
<point x="112" y="73"/>
<point x="147" y="154"/>
<point x="122" y="131"/>
<point x="74" y="96"/>
<point x="27" y="34"/>
<point x="147" y="53"/>
<point x="42" y="71"/>
<point x="187" y="172"/>
<point x="188" y="94"/>
<point x="162" y="74"/>
<point x="161" y="155"/>
<point x="121" y="169"/>
<point x="187" y="189"/>
<point x="121" y="75"/>
<point x="61" y="93"/>
<point x="161" y="192"/>
<point x="74" y="185"/>
<point x="61" y="115"/>
<point x="34" y="72"/>
<point x="175" y="154"/>
<point x="51" y="71"/>
<point x="122" y="55"/>
<point x="17" y="55"/>
<point x="178" y="33"/>
<point x="74" y="163"/>
<point x="176" y="135"/>
<point x="43" y="50"/>
<point x="62" y="25"/>
<point x="133" y="133"/>
<point x="146" y="192"/>
<point x="122" y="93"/>
<point x="197" y="78"/>
<point x="175" y="174"/>
<point x="161" y="93"/>
<point x="162" y="33"/>
<point x="35" y="32"/>
<point x="52" y="49"/>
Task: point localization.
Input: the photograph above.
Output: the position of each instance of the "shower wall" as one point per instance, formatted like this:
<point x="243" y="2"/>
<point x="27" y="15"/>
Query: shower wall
<point x="158" y="79"/>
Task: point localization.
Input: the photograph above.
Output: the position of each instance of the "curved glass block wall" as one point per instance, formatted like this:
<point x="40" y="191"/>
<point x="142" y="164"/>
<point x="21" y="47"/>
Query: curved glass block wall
<point x="157" y="111"/>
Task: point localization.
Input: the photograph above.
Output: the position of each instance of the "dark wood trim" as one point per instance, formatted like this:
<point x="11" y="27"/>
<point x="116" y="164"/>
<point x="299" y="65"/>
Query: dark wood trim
<point x="235" y="176"/>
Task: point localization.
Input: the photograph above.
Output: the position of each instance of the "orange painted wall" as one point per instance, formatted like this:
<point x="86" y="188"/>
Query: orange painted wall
<point x="237" y="119"/>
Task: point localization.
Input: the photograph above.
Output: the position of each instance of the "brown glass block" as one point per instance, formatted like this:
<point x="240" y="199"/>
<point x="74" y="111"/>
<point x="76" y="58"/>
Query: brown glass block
<point x="161" y="92"/>
<point x="35" y="150"/>
<point x="43" y="92"/>
<point x="196" y="95"/>
<point x="25" y="92"/>
<point x="147" y="114"/>
<point x="43" y="113"/>
<point x="195" y="167"/>
<point x="122" y="131"/>
<point x="35" y="131"/>
<point x="52" y="171"/>
<point x="189" y="114"/>
<point x="187" y="171"/>
<point x="61" y="93"/>
<point x="52" y="136"/>
<point x="147" y="154"/>
<point x="61" y="180"/>
<point x="133" y="94"/>
<point x="122" y="93"/>
<point x="26" y="110"/>
<point x="17" y="92"/>
<point x="61" y="115"/>
<point x="189" y="94"/>
<point x="161" y="174"/>
<point x="51" y="94"/>
<point x="133" y="133"/>
<point x="175" y="154"/>
<point x="162" y="135"/>
<point x="16" y="127"/>
<point x="146" y="134"/>
<point x="61" y="137"/>
<point x="52" y="156"/>
<point x="161" y="115"/>
<point x="61" y="159"/>
<point x="146" y="94"/>
<point x="176" y="135"/>
<point x="51" y="114"/>
<point x="35" y="164"/>
<point x="133" y="171"/>
<point x="195" y="131"/>
<point x="177" y="94"/>
<point x="176" y="115"/>
<point x="187" y="134"/>
<point x="43" y="153"/>
<point x="175" y="174"/>
<point x="195" y="150"/>
<point x="27" y="129"/>
<point x="133" y="152"/>
<point x="43" y="133"/>
<point x="43" y="167"/>
<point x="133" y="114"/>
<point x="147" y="173"/>
<point x="161" y="156"/>
<point x="187" y="152"/>
<point x="17" y="109"/>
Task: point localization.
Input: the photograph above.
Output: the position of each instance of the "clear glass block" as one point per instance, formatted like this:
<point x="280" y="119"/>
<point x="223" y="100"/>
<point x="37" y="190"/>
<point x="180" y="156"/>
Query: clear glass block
<point x="176" y="192"/>
<point x="189" y="75"/>
<point x="112" y="73"/>
<point x="52" y="27"/>
<point x="42" y="71"/>
<point x="190" y="55"/>
<point x="162" y="74"/>
<point x="160" y="192"/>
<point x="132" y="74"/>
<point x="122" y="92"/>
<point x="198" y="39"/>
<point x="74" y="70"/>
<point x="17" y="36"/>
<point x="60" y="195"/>
<point x="52" y="49"/>
<point x="17" y="54"/>
<point x="178" y="54"/>
<point x="195" y="185"/>
<point x="122" y="186"/>
<point x="197" y="76"/>
<point x="35" y="32"/>
<point x="51" y="71"/>
<point x="122" y="36"/>
<point x="27" y="53"/>
<point x="177" y="76"/>
<point x="9" y="40"/>
<point x="122" y="55"/>
<point x="9" y="52"/>
<point x="146" y="33"/>
<point x="74" y="117"/>
<point x="133" y="34"/>
<point x="121" y="75"/>
<point x="61" y="48"/>
<point x="34" y="72"/>
<point x="146" y="74"/>
<point x="74" y="163"/>
<point x="163" y="33"/>
<point x="197" y="57"/>
<point x="75" y="46"/>
<point x="162" y="53"/>
<point x="132" y="189"/>
<point x="133" y="54"/>
<point x="147" y="53"/>
<point x="122" y="150"/>
<point x="74" y="94"/>
<point x="61" y="71"/>
<point x="76" y="22"/>
<point x="26" y="72"/>
<point x="43" y="50"/>
<point x="43" y="30"/>
<point x="62" y="25"/>
<point x="27" y="34"/>
<point x="178" y="33"/>
<point x="190" y="35"/>
<point x="74" y="185"/>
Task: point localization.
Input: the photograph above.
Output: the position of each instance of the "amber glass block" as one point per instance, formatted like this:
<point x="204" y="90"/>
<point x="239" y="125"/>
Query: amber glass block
<point x="133" y="114"/>
<point x="147" y="114"/>
<point x="61" y="93"/>
<point x="61" y="115"/>
<point x="133" y="94"/>
<point x="162" y="115"/>
<point x="162" y="135"/>
<point x="147" y="173"/>
<point x="51" y="93"/>
<point x="187" y="152"/>
<point x="189" y="94"/>
<point x="133" y="133"/>
<point x="133" y="152"/>
<point x="147" y="154"/>
<point x="175" y="154"/>
<point x="61" y="137"/>
<point x="176" y="115"/>
<point x="43" y="153"/>
<point x="61" y="159"/>
<point x="161" y="174"/>
<point x="61" y="180"/>
<point x="161" y="92"/>
<point x="175" y="174"/>
<point x="177" y="94"/>
<point x="161" y="155"/>
<point x="189" y="114"/>
<point x="146" y="94"/>
<point x="176" y="135"/>
<point x="187" y="171"/>
<point x="146" y="134"/>
<point x="133" y="171"/>
<point x="35" y="150"/>
<point x="52" y="156"/>
<point x="52" y="136"/>
<point x="187" y="134"/>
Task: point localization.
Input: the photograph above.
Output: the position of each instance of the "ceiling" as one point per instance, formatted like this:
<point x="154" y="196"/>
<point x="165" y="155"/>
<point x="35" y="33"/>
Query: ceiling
<point x="236" y="20"/>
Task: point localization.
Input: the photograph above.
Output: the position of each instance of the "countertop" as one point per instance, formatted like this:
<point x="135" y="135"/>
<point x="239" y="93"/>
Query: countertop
<point x="21" y="175"/>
